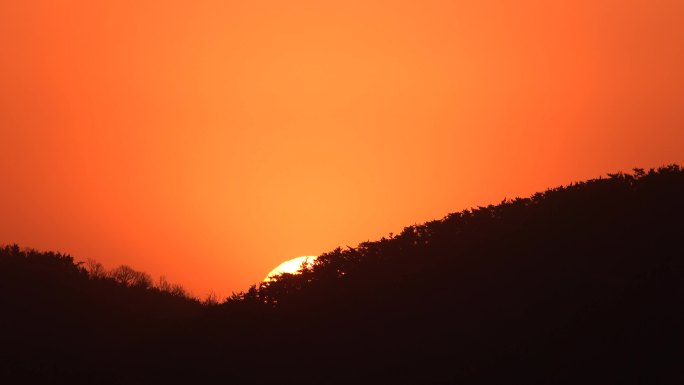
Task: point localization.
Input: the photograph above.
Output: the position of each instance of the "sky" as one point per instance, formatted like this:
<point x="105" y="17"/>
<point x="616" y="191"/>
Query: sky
<point x="208" y="141"/>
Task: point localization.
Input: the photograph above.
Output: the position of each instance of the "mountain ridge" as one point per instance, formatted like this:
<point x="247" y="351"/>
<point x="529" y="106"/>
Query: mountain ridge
<point x="579" y="283"/>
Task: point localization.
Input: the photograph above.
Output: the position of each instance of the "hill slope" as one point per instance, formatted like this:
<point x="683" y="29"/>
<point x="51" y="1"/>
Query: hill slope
<point x="577" y="284"/>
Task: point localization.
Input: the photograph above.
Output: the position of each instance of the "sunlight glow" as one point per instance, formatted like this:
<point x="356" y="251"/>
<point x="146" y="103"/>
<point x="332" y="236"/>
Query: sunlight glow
<point x="292" y="266"/>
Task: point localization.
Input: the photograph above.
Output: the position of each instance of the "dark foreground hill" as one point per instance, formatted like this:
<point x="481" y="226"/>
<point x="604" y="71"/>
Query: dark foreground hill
<point x="579" y="284"/>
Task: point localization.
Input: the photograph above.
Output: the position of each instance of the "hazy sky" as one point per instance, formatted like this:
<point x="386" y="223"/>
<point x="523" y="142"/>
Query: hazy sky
<point x="210" y="141"/>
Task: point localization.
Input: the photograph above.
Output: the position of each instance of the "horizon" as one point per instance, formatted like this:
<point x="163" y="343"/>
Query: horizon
<point x="210" y="142"/>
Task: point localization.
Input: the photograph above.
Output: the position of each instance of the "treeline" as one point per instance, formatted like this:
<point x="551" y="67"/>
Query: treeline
<point x="61" y="322"/>
<point x="577" y="284"/>
<point x="425" y="250"/>
<point x="51" y="267"/>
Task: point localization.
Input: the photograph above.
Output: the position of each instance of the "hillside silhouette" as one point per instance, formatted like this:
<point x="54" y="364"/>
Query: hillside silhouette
<point x="578" y="284"/>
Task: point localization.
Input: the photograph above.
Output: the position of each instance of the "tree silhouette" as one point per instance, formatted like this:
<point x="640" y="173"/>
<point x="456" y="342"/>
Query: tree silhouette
<point x="575" y="284"/>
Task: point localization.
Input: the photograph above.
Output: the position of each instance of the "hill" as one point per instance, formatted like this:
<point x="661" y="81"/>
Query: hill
<point x="578" y="284"/>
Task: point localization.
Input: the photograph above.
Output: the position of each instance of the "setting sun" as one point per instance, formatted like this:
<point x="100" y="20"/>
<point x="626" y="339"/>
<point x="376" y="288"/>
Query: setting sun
<point x="292" y="266"/>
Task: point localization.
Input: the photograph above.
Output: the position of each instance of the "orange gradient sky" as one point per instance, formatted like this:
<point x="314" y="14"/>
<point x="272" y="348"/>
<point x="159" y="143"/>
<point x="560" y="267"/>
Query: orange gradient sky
<point x="211" y="140"/>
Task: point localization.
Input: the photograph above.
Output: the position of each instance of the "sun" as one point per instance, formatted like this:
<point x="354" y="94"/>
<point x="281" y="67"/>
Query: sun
<point x="292" y="266"/>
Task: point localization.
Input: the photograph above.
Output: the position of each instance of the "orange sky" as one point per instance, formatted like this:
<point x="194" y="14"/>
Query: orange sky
<point x="210" y="141"/>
